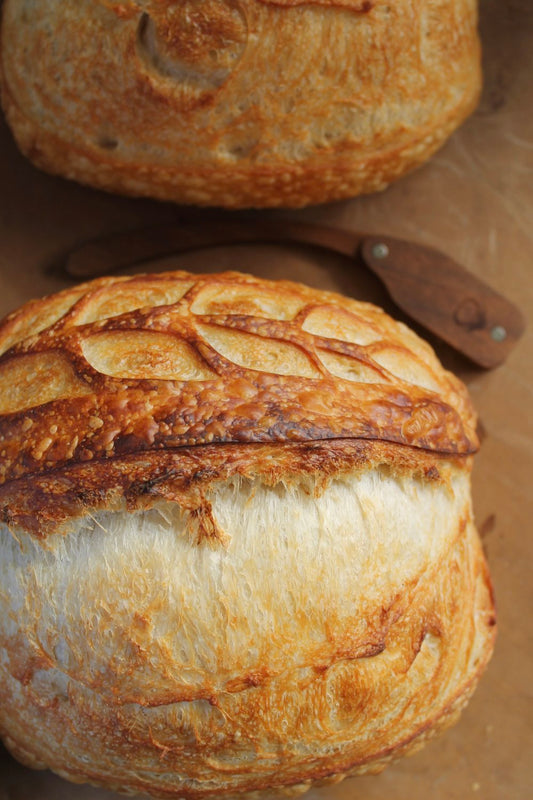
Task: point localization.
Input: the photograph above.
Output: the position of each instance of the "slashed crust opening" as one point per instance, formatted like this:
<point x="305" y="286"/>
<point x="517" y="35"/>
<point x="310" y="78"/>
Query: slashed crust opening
<point x="43" y="504"/>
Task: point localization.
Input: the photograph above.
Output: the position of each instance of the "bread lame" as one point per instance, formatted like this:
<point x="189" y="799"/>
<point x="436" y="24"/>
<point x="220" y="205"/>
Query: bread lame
<point x="426" y="284"/>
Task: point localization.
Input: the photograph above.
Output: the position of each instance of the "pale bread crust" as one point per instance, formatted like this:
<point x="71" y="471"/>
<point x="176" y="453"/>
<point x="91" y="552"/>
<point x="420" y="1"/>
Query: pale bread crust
<point x="298" y="597"/>
<point x="237" y="104"/>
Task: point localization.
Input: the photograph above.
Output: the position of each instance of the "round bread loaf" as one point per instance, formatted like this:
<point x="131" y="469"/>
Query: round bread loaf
<point x="237" y="102"/>
<point x="237" y="549"/>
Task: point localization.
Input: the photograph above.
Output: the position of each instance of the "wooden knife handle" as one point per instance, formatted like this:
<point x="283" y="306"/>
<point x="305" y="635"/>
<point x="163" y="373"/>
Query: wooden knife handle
<point x="446" y="299"/>
<point x="122" y="250"/>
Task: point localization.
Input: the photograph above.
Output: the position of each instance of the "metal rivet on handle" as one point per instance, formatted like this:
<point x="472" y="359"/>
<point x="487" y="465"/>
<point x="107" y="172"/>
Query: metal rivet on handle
<point x="498" y="333"/>
<point x="380" y="250"/>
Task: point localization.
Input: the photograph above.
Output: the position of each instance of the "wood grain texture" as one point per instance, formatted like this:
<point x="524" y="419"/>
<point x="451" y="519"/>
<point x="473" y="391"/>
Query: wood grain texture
<point x="474" y="201"/>
<point x="447" y="300"/>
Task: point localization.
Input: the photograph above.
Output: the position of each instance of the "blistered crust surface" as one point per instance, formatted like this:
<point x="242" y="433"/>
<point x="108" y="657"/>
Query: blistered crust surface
<point x="241" y="102"/>
<point x="122" y="371"/>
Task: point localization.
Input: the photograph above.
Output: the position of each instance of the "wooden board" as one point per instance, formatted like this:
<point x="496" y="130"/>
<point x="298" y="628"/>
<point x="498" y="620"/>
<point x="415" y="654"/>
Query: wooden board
<point x="474" y="200"/>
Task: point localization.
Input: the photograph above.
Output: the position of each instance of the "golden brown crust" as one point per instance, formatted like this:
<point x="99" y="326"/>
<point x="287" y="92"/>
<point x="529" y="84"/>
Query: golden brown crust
<point x="136" y="369"/>
<point x="237" y="551"/>
<point x="364" y="90"/>
<point x="348" y="710"/>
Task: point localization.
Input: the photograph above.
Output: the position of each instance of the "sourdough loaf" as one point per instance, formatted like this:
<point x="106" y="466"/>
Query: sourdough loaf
<point x="237" y="550"/>
<point x="237" y="102"/>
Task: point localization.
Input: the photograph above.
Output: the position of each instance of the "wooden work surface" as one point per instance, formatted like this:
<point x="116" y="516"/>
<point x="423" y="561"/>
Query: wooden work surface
<point x="475" y="202"/>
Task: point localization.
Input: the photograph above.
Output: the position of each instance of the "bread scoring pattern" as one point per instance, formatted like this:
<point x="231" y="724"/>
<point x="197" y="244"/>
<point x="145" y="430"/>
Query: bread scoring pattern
<point x="193" y="47"/>
<point x="125" y="365"/>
